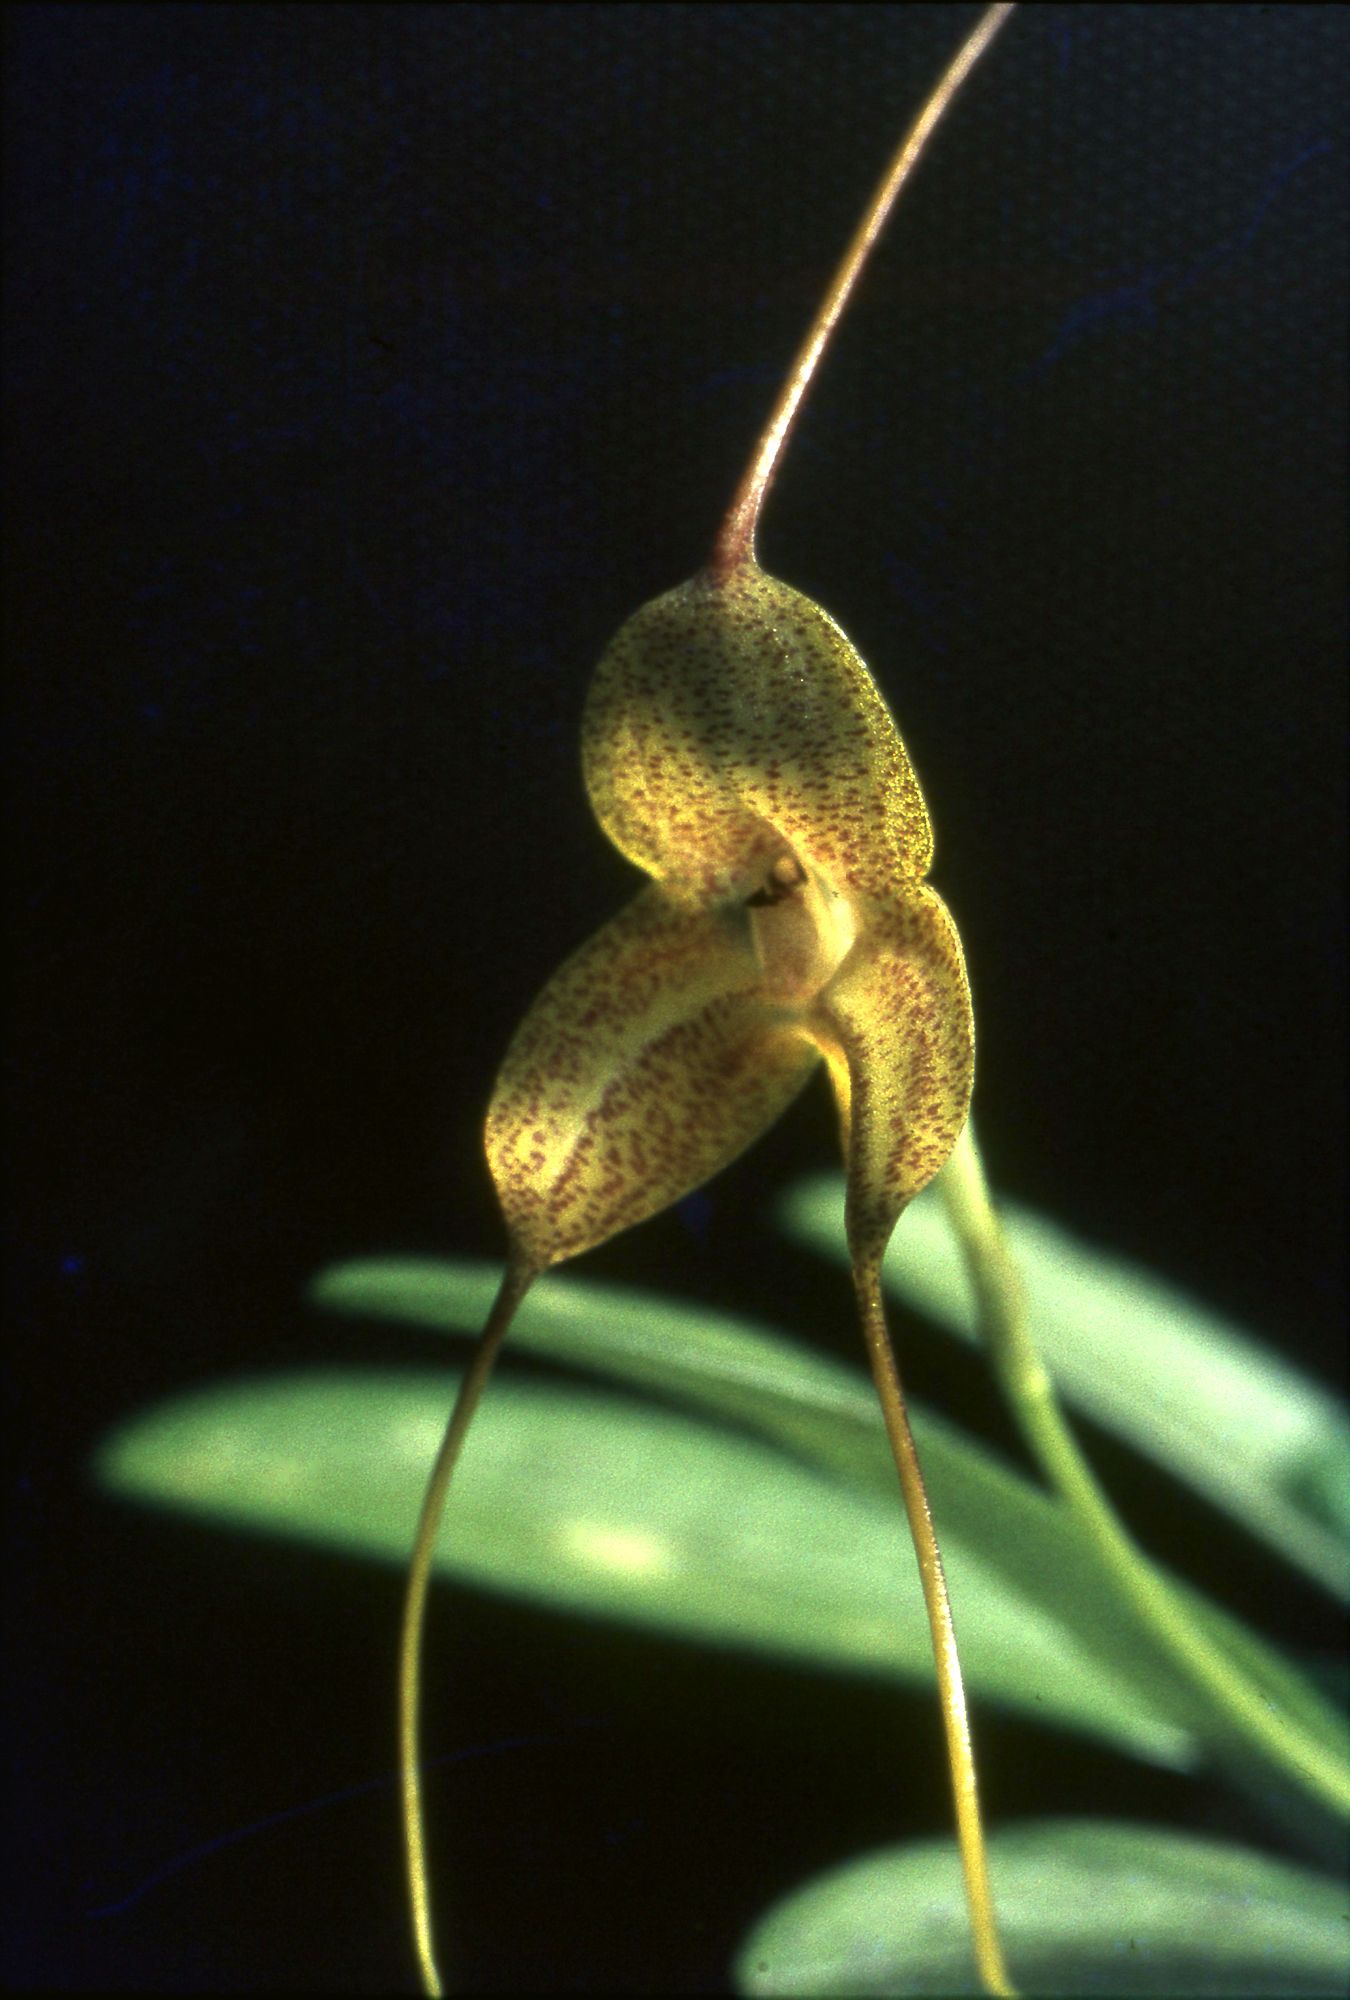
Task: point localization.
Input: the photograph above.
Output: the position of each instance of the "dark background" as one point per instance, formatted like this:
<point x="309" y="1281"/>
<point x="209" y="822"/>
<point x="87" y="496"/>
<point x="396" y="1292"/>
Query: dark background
<point x="365" y="367"/>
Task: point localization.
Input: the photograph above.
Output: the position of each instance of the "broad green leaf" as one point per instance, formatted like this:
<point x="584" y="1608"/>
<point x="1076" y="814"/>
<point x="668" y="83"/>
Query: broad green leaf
<point x="717" y="1361"/>
<point x="1086" y="1907"/>
<point x="1145" y="1361"/>
<point x="826" y="1412"/>
<point x="615" y="1509"/>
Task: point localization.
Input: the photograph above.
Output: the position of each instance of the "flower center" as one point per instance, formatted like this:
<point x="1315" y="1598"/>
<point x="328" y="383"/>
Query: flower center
<point x="801" y="930"/>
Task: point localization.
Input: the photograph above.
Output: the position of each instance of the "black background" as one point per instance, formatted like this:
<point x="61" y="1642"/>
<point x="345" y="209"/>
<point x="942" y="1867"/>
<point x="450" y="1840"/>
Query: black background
<point x="365" y="367"/>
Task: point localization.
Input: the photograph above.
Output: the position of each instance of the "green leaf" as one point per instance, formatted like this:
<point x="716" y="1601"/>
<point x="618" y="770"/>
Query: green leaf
<point x="1145" y="1361"/>
<point x="717" y="1361"/>
<point x="1086" y="1907"/>
<point x="827" y="1413"/>
<point x="609" y="1508"/>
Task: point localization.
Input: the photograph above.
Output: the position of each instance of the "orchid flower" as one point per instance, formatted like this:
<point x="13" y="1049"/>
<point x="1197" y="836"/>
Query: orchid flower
<point x="737" y="750"/>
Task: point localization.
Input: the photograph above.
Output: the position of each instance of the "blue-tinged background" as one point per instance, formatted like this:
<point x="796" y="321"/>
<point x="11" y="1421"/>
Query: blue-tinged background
<point x="364" y="367"/>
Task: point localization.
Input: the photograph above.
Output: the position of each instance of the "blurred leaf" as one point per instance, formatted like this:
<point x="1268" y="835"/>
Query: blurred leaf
<point x="613" y="1509"/>
<point x="715" y="1360"/>
<point x="1195" y="1394"/>
<point x="1086" y="1907"/>
<point x="826" y="1412"/>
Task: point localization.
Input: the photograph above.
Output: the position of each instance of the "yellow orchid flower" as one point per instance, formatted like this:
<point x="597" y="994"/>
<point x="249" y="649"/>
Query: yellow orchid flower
<point x="736" y="748"/>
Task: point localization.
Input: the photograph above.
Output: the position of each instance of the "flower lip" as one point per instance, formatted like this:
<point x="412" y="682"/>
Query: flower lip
<point x="801" y="931"/>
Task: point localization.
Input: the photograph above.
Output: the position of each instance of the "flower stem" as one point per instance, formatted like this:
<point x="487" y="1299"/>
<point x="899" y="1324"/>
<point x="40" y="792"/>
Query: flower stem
<point x="515" y="1283"/>
<point x="736" y="538"/>
<point x="1172" y="1625"/>
<point x="951" y="1692"/>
